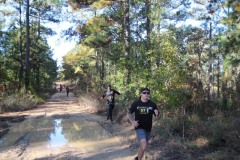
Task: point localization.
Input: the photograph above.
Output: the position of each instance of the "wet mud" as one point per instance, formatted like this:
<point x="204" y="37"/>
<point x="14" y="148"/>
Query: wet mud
<point x="63" y="129"/>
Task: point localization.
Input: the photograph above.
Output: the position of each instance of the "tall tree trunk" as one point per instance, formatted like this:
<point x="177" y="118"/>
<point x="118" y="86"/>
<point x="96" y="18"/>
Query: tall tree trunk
<point x="102" y="75"/>
<point x="148" y="29"/>
<point x="210" y="73"/>
<point x="127" y="42"/>
<point x="218" y="77"/>
<point x="97" y="63"/>
<point x="20" y="48"/>
<point x="27" y="47"/>
<point x="38" y="56"/>
<point x="224" y="92"/>
<point x="199" y="52"/>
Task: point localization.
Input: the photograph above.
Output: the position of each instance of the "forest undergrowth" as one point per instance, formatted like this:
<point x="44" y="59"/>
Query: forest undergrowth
<point x="174" y="136"/>
<point x="184" y="137"/>
<point x="21" y="101"/>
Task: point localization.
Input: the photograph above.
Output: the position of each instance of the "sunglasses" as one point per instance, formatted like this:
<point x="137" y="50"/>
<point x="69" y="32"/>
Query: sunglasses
<point x="145" y="93"/>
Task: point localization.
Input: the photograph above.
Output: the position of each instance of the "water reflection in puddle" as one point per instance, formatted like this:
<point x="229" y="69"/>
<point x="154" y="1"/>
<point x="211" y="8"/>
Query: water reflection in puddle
<point x="47" y="133"/>
<point x="57" y="139"/>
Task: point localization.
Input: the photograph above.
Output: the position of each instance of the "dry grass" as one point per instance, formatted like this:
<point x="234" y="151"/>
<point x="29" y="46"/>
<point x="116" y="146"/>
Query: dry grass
<point x="217" y="138"/>
<point x="17" y="102"/>
<point x="91" y="100"/>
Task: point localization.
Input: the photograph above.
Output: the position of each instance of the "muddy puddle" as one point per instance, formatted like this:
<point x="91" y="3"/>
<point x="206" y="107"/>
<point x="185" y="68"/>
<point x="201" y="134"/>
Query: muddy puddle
<point x="50" y="133"/>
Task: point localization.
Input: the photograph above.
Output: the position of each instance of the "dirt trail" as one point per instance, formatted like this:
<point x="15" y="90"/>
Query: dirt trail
<point x="28" y="143"/>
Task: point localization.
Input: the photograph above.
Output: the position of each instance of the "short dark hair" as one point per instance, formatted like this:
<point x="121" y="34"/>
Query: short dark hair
<point x="145" y="89"/>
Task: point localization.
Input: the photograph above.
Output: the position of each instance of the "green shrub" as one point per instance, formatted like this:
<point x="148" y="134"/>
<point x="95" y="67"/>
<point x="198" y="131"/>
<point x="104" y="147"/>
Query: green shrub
<point x="193" y="119"/>
<point x="169" y="127"/>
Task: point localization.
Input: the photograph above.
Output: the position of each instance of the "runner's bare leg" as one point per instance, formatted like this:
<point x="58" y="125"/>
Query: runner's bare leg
<point x="142" y="148"/>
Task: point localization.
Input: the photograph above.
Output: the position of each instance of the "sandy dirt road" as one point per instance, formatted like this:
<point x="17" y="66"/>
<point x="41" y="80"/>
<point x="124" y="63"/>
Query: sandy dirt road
<point x="64" y="129"/>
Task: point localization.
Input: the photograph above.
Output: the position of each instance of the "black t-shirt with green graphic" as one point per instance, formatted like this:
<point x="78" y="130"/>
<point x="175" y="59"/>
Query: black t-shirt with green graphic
<point x="143" y="113"/>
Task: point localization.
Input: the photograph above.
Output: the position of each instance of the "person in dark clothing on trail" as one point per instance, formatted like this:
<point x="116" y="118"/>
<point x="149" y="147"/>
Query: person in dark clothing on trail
<point x="144" y="110"/>
<point x="61" y="87"/>
<point x="67" y="90"/>
<point x="109" y="95"/>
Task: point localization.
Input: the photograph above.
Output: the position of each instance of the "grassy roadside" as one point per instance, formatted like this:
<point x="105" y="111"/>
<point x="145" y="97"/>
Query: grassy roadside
<point x="21" y="101"/>
<point x="173" y="137"/>
<point x="185" y="138"/>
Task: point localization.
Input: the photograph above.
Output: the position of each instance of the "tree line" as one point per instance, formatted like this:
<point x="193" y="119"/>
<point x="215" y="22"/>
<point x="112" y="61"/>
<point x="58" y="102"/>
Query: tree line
<point x="185" y="51"/>
<point x="129" y="44"/>
<point x="26" y="58"/>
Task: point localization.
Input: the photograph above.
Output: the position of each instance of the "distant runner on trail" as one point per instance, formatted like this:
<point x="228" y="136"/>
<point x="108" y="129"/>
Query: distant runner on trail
<point x="109" y="94"/>
<point x="67" y="90"/>
<point x="61" y="87"/>
<point x="144" y="110"/>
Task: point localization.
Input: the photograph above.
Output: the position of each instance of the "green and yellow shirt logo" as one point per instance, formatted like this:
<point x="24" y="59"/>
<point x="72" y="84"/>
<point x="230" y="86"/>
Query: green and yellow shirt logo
<point x="143" y="110"/>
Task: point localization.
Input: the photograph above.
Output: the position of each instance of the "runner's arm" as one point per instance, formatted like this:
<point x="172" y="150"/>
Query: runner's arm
<point x="156" y="112"/>
<point x="131" y="118"/>
<point x="115" y="91"/>
<point x="104" y="95"/>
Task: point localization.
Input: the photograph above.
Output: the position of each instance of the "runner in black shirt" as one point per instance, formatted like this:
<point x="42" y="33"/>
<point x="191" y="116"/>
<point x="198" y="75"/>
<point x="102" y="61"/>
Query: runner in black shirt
<point x="109" y="94"/>
<point x="67" y="90"/>
<point x="144" y="110"/>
